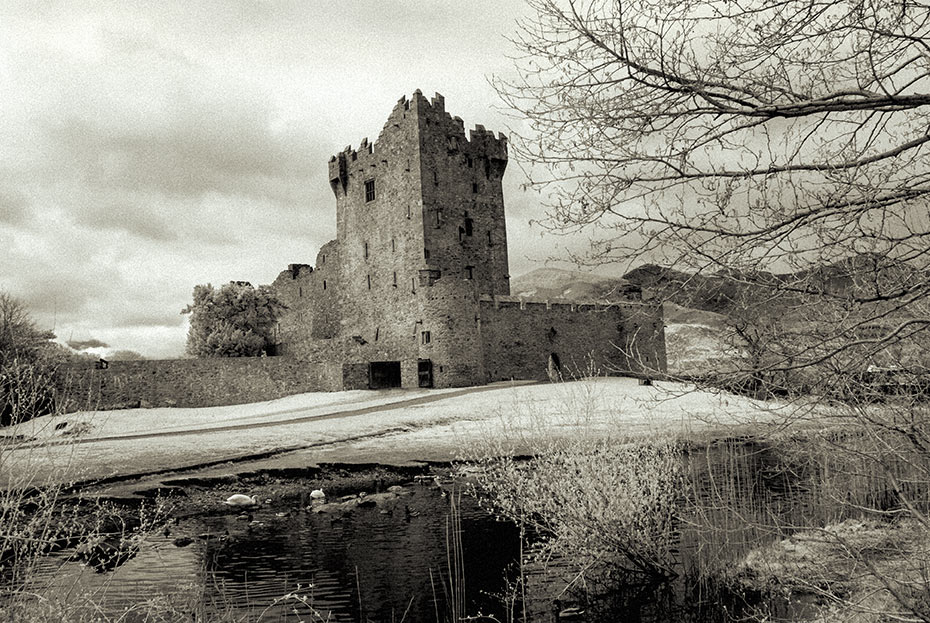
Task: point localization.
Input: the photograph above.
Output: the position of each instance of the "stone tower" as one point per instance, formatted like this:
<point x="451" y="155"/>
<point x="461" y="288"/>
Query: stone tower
<point x="420" y="235"/>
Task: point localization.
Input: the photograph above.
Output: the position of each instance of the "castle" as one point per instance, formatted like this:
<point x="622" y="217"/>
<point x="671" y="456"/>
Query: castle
<point x="415" y="291"/>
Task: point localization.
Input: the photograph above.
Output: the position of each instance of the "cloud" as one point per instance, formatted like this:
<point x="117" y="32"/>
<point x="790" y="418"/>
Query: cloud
<point x="177" y="143"/>
<point x="85" y="344"/>
<point x="14" y="206"/>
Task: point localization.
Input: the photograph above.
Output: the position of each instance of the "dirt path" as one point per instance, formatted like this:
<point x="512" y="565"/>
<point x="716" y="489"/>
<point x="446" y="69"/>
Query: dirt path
<point x="401" y="404"/>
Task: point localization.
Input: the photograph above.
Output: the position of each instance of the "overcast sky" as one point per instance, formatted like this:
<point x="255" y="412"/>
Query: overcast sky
<point x="146" y="147"/>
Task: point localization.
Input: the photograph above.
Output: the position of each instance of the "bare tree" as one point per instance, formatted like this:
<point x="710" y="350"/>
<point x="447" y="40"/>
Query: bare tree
<point x="779" y="145"/>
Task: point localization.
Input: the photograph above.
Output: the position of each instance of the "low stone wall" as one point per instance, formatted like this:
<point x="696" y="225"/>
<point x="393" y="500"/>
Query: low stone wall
<point x="193" y="382"/>
<point x="534" y="340"/>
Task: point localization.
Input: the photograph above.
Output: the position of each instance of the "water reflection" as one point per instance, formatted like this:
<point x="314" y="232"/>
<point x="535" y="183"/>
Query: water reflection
<point x="390" y="561"/>
<point x="367" y="564"/>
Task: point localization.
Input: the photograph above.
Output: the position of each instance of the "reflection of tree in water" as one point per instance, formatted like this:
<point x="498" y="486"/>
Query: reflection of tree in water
<point x="387" y="555"/>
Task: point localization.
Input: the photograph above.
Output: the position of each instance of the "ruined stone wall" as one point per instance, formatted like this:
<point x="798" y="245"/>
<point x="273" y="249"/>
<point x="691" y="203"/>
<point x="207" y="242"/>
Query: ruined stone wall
<point x="295" y="288"/>
<point x="193" y="382"/>
<point x="518" y="338"/>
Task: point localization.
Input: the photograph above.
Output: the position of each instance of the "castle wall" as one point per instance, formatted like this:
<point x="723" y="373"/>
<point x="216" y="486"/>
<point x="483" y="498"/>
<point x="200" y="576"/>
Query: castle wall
<point x="463" y="203"/>
<point x="518" y="338"/>
<point x="450" y="314"/>
<point x="193" y="382"/>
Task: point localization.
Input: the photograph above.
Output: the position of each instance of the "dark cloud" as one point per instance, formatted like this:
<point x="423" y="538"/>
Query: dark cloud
<point x="85" y="344"/>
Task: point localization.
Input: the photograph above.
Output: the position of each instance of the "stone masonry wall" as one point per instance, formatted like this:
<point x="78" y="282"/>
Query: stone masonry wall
<point x="518" y="338"/>
<point x="193" y="382"/>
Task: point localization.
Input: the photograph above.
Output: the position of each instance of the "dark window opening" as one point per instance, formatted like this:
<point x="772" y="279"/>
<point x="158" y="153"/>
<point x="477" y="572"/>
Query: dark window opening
<point x="474" y="187"/>
<point x="407" y="105"/>
<point x="413" y="285"/>
<point x="461" y="233"/>
<point x="300" y="291"/>
<point x="469" y="272"/>
<point x="370" y="190"/>
<point x="438" y="218"/>
<point x="469" y="227"/>
<point x="408" y="211"/>
<point x="424" y="373"/>
<point x="366" y="250"/>
<point x="435" y="178"/>
<point x="469" y="162"/>
<point x="377" y="333"/>
<point x="383" y="374"/>
<point x="393" y="246"/>
<point x="424" y="337"/>
<point x="395" y="279"/>
<point x="489" y="238"/>
<point x="324" y="284"/>
<point x="425" y="254"/>
<point x="369" y="282"/>
<point x="323" y="259"/>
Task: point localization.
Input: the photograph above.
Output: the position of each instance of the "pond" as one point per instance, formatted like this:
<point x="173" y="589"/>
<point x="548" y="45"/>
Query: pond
<point x="391" y="560"/>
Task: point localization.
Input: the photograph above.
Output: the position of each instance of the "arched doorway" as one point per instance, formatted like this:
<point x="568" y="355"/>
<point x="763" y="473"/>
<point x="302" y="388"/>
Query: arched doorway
<point x="554" y="368"/>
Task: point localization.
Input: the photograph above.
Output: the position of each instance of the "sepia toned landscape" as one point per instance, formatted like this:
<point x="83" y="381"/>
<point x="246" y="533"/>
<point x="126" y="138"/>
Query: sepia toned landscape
<point x="536" y="311"/>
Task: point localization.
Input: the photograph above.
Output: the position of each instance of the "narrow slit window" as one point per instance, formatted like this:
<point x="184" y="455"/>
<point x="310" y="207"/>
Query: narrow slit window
<point x="474" y="187"/>
<point x="438" y="218"/>
<point x="324" y="284"/>
<point x="369" y="282"/>
<point x="395" y="279"/>
<point x="469" y="272"/>
<point x="425" y="254"/>
<point x="469" y="226"/>
<point x="425" y="337"/>
<point x="366" y="250"/>
<point x="393" y="247"/>
<point x="369" y="190"/>
<point x="489" y="238"/>
<point x="413" y="285"/>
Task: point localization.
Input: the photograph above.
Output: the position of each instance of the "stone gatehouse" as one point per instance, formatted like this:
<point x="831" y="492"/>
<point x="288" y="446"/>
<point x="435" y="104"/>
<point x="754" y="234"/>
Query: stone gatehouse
<point x="415" y="289"/>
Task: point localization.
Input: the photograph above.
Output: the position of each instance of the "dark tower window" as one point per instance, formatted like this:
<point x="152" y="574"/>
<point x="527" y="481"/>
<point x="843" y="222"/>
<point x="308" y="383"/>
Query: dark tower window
<point x="438" y="218"/>
<point x="370" y="190"/>
<point x="425" y="254"/>
<point x="300" y="291"/>
<point x="366" y="250"/>
<point x="395" y="279"/>
<point x="489" y="238"/>
<point x="469" y="162"/>
<point x="369" y="282"/>
<point x="324" y="284"/>
<point x="469" y="226"/>
<point x="474" y="187"/>
<point x="469" y="272"/>
<point x="393" y="248"/>
<point x="424" y="337"/>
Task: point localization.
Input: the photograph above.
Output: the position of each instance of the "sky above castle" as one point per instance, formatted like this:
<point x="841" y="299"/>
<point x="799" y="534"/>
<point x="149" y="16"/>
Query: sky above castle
<point x="149" y="147"/>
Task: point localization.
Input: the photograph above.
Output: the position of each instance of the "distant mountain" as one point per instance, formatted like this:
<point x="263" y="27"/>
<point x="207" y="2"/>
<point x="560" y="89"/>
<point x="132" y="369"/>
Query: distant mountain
<point x="557" y="284"/>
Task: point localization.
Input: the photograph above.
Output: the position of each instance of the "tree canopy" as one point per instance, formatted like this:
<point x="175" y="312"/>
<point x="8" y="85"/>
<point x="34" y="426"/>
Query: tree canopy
<point x="234" y="320"/>
<point x="743" y="138"/>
